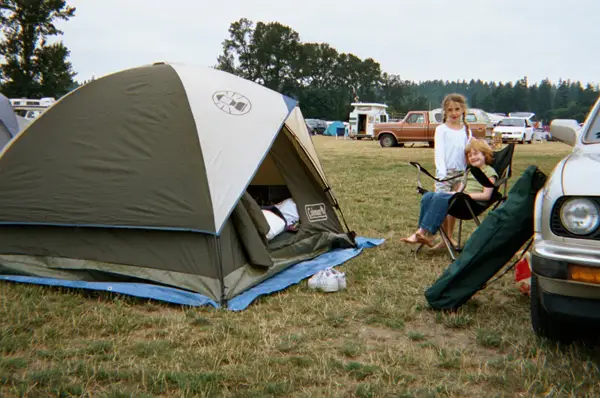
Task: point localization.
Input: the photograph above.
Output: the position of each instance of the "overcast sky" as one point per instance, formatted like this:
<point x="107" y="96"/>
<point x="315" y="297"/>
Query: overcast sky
<point x="501" y="40"/>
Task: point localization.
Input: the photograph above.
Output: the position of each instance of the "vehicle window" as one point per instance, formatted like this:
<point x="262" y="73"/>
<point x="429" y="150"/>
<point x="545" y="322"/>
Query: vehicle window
<point x="593" y="134"/>
<point x="438" y="117"/>
<point x="383" y="118"/>
<point x="512" y="122"/>
<point x="471" y="118"/>
<point x="416" y="118"/>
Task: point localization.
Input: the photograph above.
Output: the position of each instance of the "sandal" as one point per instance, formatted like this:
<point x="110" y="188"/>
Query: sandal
<point x="425" y="240"/>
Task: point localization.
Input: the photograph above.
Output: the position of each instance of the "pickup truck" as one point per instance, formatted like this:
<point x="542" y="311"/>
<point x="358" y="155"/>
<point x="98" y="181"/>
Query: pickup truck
<point x="417" y="126"/>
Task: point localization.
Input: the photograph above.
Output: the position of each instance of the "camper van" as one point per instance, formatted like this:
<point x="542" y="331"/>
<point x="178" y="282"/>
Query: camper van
<point x="363" y="118"/>
<point x="31" y="108"/>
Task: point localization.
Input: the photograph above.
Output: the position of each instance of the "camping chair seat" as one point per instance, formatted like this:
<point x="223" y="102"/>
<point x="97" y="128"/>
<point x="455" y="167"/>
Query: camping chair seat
<point x="462" y="206"/>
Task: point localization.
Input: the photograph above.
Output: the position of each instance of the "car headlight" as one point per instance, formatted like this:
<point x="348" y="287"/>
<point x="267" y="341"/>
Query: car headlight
<point x="580" y="216"/>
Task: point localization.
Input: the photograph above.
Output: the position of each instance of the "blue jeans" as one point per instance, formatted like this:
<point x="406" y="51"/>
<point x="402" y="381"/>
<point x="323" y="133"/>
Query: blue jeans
<point x="434" y="207"/>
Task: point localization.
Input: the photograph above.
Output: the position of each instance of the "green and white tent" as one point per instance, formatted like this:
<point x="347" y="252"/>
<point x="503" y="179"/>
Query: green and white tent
<point x="155" y="174"/>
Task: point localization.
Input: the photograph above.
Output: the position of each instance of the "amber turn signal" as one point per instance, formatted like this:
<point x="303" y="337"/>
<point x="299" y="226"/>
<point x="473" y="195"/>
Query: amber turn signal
<point x="584" y="274"/>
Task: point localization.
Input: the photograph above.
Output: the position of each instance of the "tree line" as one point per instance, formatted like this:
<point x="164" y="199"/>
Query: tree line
<point x="325" y="81"/>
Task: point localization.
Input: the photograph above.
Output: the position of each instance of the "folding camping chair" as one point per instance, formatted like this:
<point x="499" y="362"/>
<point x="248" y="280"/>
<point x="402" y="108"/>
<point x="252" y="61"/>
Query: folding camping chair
<point x="462" y="206"/>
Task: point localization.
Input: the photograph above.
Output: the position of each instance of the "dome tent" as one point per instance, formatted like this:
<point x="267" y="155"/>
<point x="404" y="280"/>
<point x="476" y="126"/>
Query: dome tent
<point x="336" y="128"/>
<point x="145" y="175"/>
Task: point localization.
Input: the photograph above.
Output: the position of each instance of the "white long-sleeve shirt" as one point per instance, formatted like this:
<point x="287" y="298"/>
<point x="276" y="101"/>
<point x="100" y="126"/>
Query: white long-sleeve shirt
<point x="450" y="149"/>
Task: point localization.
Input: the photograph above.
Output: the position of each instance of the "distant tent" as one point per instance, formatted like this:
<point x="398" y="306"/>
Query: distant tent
<point x="156" y="175"/>
<point x="336" y="129"/>
<point x="9" y="126"/>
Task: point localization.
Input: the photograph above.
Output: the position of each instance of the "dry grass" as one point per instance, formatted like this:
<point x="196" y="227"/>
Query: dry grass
<point x="378" y="339"/>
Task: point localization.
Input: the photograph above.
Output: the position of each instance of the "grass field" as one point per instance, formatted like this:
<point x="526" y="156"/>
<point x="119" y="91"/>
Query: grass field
<point x="377" y="339"/>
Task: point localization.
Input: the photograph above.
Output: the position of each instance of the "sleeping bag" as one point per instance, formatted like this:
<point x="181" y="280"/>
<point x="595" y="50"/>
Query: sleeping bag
<point x="501" y="234"/>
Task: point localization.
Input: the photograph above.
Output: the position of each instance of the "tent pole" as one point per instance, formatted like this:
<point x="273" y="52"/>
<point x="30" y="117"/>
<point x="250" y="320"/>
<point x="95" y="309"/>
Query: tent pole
<point x="220" y="269"/>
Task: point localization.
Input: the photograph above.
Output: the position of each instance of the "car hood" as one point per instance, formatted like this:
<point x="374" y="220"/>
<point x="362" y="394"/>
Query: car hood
<point x="508" y="129"/>
<point x="580" y="173"/>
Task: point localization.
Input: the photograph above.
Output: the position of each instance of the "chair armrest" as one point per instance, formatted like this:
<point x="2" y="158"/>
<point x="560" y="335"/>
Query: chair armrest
<point x="421" y="169"/>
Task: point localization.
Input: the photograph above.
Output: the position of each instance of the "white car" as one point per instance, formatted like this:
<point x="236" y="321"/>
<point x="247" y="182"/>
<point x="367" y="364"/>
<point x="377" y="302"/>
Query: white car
<point x="565" y="258"/>
<point x="515" y="129"/>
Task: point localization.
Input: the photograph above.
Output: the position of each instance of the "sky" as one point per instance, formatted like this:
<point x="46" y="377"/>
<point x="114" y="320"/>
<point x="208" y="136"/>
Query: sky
<point x="499" y="40"/>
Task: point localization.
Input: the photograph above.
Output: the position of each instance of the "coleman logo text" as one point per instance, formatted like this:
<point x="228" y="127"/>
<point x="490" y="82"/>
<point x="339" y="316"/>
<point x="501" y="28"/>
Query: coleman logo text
<point x="316" y="212"/>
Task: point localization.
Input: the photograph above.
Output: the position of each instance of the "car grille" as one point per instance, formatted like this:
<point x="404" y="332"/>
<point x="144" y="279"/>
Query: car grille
<point x="557" y="227"/>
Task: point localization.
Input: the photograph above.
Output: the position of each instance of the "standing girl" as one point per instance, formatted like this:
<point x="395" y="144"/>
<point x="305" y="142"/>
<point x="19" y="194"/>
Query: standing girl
<point x="451" y="139"/>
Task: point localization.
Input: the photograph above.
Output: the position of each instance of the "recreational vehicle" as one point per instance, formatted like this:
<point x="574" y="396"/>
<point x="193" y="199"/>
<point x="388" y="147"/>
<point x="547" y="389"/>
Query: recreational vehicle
<point x="364" y="117"/>
<point x="31" y="108"/>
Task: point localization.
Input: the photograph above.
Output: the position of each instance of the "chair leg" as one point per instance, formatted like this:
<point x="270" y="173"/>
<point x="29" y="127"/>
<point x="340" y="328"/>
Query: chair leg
<point x="418" y="250"/>
<point x="448" y="243"/>
<point x="475" y="218"/>
<point x="459" y="233"/>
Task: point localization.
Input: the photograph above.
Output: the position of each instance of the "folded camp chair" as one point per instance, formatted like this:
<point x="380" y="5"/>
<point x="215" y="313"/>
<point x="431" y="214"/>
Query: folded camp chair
<point x="462" y="206"/>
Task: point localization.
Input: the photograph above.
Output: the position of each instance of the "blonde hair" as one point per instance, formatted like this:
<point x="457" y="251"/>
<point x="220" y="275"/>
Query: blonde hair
<point x="480" y="146"/>
<point x="459" y="99"/>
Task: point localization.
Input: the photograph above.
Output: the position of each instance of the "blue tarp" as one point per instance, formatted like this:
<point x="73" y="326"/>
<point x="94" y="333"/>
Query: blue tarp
<point x="278" y="282"/>
<point x="336" y="128"/>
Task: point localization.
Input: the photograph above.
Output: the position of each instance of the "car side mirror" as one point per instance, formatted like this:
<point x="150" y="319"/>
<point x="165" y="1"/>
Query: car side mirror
<point x="564" y="130"/>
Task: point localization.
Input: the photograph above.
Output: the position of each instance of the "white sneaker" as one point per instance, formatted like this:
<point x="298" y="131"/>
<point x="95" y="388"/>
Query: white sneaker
<point x="325" y="280"/>
<point x="328" y="282"/>
<point x="341" y="277"/>
<point x="312" y="282"/>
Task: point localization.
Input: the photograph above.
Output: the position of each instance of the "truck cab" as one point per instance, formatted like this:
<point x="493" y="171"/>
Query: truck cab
<point x="364" y="117"/>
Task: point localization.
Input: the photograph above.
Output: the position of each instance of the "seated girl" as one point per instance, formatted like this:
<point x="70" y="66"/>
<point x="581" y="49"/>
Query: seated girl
<point x="434" y="205"/>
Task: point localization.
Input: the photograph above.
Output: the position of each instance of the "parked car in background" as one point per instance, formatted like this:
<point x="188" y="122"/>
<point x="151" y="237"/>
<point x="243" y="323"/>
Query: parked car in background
<point x="317" y="125"/>
<point x="515" y="129"/>
<point x="417" y="126"/>
<point x="537" y="125"/>
<point x="565" y="257"/>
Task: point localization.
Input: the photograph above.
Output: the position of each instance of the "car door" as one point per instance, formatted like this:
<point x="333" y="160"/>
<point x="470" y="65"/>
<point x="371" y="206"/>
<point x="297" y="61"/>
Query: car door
<point x="414" y="127"/>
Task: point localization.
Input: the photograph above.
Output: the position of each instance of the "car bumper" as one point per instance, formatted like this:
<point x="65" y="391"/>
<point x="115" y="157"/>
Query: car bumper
<point x="558" y="294"/>
<point x="566" y="305"/>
